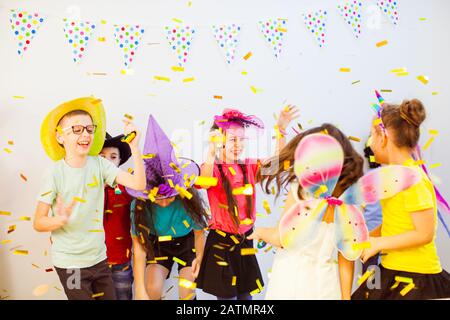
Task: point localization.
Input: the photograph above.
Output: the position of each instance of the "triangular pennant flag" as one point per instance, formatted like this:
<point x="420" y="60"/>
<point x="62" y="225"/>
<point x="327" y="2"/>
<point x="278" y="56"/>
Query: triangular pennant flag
<point x="180" y="40"/>
<point x="389" y="8"/>
<point x="274" y="31"/>
<point x="78" y="35"/>
<point x="128" y="37"/>
<point x="25" y="26"/>
<point x="316" y="22"/>
<point x="351" y="12"/>
<point x="227" y="38"/>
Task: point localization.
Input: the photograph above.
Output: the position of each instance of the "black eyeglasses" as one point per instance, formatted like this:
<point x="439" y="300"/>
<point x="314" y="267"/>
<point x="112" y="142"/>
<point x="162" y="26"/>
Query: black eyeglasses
<point x="78" y="129"/>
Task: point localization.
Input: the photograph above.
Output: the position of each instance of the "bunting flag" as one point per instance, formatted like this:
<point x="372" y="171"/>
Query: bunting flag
<point x="390" y="9"/>
<point x="25" y="26"/>
<point x="128" y="38"/>
<point x="227" y="38"/>
<point x="316" y="22"/>
<point x="351" y="12"/>
<point x="180" y="40"/>
<point x="78" y="35"/>
<point x="274" y="31"/>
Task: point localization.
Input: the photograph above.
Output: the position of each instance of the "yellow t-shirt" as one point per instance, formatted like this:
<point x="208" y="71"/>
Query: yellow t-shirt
<point x="397" y="220"/>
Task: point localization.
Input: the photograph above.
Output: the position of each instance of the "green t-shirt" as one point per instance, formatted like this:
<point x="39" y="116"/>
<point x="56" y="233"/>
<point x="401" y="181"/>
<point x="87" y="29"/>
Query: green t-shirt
<point x="81" y="242"/>
<point x="168" y="221"/>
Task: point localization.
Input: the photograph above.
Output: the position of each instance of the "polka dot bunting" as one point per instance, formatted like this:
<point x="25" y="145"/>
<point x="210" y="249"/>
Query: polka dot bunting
<point x="274" y="31"/>
<point x="227" y="38"/>
<point x="316" y="22"/>
<point x="78" y="35"/>
<point x="24" y="26"/>
<point x="180" y="40"/>
<point x="389" y="8"/>
<point x="351" y="12"/>
<point x="128" y="37"/>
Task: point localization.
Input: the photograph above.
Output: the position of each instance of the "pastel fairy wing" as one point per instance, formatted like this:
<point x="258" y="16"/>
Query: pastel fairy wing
<point x="318" y="164"/>
<point x="351" y="232"/>
<point x="381" y="183"/>
<point x="299" y="225"/>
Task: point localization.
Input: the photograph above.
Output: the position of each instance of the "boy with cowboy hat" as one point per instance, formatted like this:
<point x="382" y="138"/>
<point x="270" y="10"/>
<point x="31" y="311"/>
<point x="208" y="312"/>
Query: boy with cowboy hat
<point x="72" y="192"/>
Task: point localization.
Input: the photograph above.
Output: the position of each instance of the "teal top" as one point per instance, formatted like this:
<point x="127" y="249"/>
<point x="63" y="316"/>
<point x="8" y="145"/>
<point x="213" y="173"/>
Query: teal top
<point x="172" y="220"/>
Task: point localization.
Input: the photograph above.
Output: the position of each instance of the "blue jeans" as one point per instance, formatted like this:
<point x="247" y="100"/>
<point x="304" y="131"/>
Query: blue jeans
<point x="240" y="296"/>
<point x="122" y="275"/>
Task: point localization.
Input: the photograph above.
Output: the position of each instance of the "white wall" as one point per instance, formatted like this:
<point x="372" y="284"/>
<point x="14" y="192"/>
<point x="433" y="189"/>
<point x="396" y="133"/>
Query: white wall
<point x="304" y="75"/>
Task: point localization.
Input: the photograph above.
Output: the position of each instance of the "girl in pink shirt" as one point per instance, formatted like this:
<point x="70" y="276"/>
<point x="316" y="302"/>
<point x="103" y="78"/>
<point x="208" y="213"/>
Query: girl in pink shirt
<point x="226" y="270"/>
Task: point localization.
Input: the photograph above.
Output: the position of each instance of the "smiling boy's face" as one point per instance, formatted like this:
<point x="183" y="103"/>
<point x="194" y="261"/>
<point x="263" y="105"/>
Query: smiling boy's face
<point x="75" y="144"/>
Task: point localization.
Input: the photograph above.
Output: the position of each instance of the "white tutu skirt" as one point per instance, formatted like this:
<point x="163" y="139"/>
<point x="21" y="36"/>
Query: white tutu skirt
<point x="309" y="273"/>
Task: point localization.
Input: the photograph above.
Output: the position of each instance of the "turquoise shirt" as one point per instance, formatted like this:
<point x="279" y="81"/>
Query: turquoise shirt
<point x="80" y="243"/>
<point x="168" y="221"/>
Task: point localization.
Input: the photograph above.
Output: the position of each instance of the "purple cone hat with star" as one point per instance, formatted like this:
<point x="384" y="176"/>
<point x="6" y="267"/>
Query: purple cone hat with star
<point x="161" y="165"/>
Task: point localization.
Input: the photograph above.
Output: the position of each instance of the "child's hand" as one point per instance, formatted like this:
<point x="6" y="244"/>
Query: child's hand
<point x="215" y="141"/>
<point x="255" y="235"/>
<point x="130" y="127"/>
<point x="63" y="214"/>
<point x="288" y="114"/>
<point x="196" y="267"/>
<point x="373" y="250"/>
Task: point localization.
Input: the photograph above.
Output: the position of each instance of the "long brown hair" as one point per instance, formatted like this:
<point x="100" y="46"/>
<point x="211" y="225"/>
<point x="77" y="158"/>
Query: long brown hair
<point x="195" y="208"/>
<point x="226" y="185"/>
<point x="283" y="175"/>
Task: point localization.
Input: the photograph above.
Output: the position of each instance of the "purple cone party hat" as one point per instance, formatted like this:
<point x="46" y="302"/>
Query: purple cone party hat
<point x="166" y="175"/>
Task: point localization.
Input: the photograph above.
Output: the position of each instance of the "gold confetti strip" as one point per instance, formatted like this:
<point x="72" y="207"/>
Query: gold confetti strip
<point x="101" y="39"/>
<point x="164" y="238"/>
<point x="127" y="71"/>
<point x="206" y="181"/>
<point x="423" y="79"/>
<point x="36" y="266"/>
<point x="344" y="69"/>
<point x="108" y="211"/>
<point x="248" y="251"/>
<point x="162" y="258"/>
<point x="174" y="167"/>
<point x="235" y="240"/>
<point x="93" y="183"/>
<point x="244" y="73"/>
<point x="11" y="228"/>
<point x="362" y="245"/>
<point x="218" y="97"/>
<point x="354" y="138"/>
<point x="173" y="230"/>
<point x="399" y="70"/>
<point x="189" y="296"/>
<point x="433" y="132"/>
<point x="266" y="207"/>
<point x="428" y="143"/>
<point x="223" y="206"/>
<point x="268" y="249"/>
<point x="402" y="74"/>
<point x="96" y="295"/>
<point x="222" y="263"/>
<point x="435" y="93"/>
<point x="232" y="171"/>
<point x="7" y="150"/>
<point x="177" y="20"/>
<point x="407" y="289"/>
<point x="435" y="165"/>
<point x="177" y="69"/>
<point x="18" y="97"/>
<point x="179" y="261"/>
<point x="128" y="116"/>
<point x="5" y="213"/>
<point x="23" y="177"/>
<point x="46" y="193"/>
<point x="55" y="287"/>
<point x="223" y="234"/>
<point x="25" y="218"/>
<point x="40" y="290"/>
<point x="183" y="192"/>
<point x="103" y="21"/>
<point x="79" y="199"/>
<point x="422" y="19"/>
<point x="170" y="288"/>
<point x="5" y="241"/>
<point x="119" y="238"/>
<point x="218" y="247"/>
<point x="365" y="276"/>
<point x="233" y="281"/>
<point x="185" y="283"/>
<point x="386" y="90"/>
<point x="372" y="159"/>
<point x="255" y="90"/>
<point x="96" y="230"/>
<point x="403" y="279"/>
<point x="21" y="252"/>
<point x="256" y="291"/>
<point x="188" y="79"/>
<point x="248" y="55"/>
<point x="161" y="78"/>
<point x="258" y="283"/>
<point x="245" y="190"/>
<point x="186" y="224"/>
<point x="247" y="222"/>
<point x="382" y="43"/>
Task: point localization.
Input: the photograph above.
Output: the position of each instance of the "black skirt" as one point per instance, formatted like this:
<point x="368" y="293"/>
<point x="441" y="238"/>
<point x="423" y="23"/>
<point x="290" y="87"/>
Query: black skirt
<point x="224" y="272"/>
<point x="426" y="286"/>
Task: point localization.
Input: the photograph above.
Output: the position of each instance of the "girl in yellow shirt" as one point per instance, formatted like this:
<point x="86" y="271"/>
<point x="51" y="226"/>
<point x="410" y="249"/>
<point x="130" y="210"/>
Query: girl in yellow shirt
<point x="410" y="267"/>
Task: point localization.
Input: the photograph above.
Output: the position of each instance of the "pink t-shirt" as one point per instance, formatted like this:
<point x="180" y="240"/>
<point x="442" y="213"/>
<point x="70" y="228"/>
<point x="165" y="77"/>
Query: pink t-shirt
<point x="220" y="217"/>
